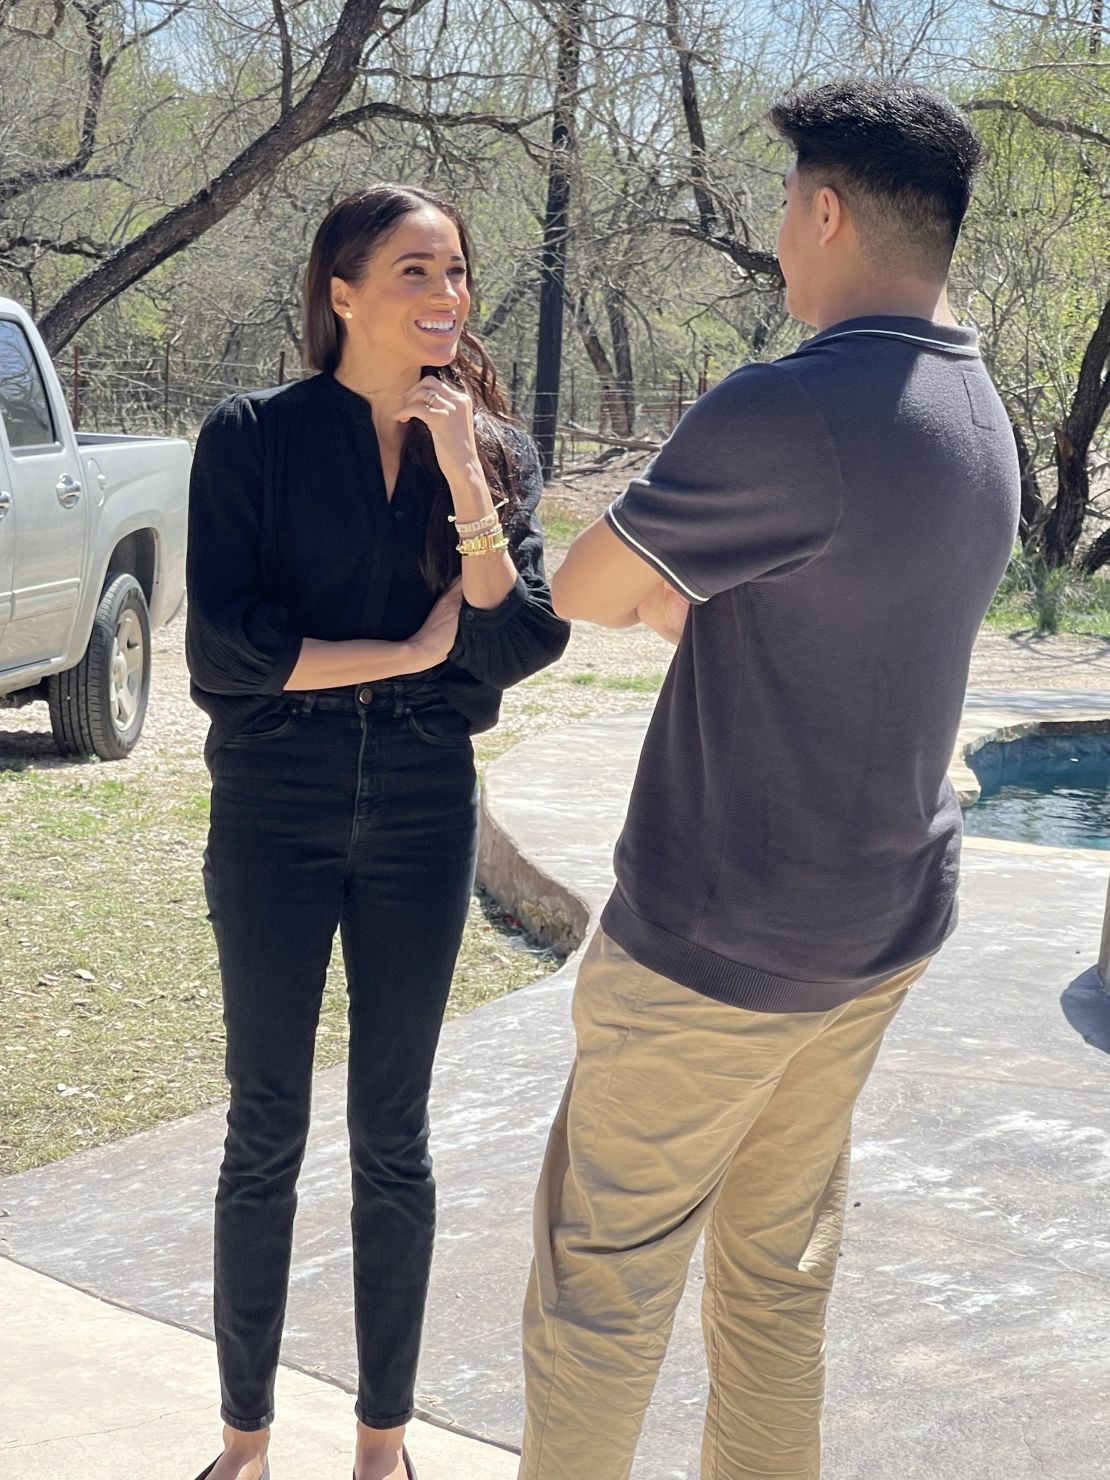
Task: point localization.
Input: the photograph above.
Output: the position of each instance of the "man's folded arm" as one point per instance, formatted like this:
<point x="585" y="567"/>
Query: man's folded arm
<point x="746" y="486"/>
<point x="603" y="580"/>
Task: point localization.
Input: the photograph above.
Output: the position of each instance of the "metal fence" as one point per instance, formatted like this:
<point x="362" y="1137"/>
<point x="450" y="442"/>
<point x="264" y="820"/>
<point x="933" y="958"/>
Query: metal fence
<point x="166" y="392"/>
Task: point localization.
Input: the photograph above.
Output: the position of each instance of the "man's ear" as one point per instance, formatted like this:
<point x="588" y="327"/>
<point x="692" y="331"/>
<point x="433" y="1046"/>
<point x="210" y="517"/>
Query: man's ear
<point x="830" y="215"/>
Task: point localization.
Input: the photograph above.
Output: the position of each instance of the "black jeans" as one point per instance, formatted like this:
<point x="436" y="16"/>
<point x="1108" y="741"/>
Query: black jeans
<point x="357" y="810"/>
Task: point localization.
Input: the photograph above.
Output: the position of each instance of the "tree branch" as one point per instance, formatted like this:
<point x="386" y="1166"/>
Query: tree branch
<point x="751" y="261"/>
<point x="189" y="220"/>
<point x="1068" y="127"/>
<point x="144" y="35"/>
<point x="28" y="179"/>
<point x="691" y="109"/>
<point x="286" y="57"/>
<point x="79" y="246"/>
<point x="355" y="117"/>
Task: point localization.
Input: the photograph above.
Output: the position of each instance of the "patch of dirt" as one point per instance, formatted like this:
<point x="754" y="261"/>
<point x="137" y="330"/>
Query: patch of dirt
<point x="587" y="489"/>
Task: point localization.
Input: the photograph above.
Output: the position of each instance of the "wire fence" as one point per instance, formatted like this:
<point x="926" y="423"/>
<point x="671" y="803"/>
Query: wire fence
<point x="165" y="392"/>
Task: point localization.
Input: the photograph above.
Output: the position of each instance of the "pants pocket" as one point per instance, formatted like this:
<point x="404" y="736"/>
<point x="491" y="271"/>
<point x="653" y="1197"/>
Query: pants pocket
<point x="439" y="724"/>
<point x="270" y="726"/>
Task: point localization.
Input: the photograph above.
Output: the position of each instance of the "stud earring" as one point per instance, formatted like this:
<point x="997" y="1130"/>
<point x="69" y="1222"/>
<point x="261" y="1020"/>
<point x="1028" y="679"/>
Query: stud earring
<point x="348" y="314"/>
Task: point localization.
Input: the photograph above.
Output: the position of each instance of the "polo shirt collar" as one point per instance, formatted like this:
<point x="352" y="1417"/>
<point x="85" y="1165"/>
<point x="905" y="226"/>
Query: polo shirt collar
<point x="948" y="338"/>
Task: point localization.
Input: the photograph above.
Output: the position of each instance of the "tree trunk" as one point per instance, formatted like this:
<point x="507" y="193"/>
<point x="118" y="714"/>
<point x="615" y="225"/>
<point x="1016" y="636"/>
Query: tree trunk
<point x="1089" y="405"/>
<point x="625" y="423"/>
<point x="183" y="224"/>
<point x="1032" y="502"/>
<point x="1097" y="555"/>
<point x="603" y="369"/>
<point x="549" y="348"/>
<point x="498" y="316"/>
<point x="691" y="112"/>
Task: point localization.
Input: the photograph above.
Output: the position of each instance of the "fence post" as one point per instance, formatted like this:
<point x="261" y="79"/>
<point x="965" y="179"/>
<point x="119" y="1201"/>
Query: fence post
<point x="76" y="387"/>
<point x="281" y="368"/>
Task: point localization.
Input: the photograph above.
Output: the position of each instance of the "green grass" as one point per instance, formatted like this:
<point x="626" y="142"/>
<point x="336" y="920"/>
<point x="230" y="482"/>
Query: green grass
<point x="1047" y="602"/>
<point x="110" y="1016"/>
<point x="559" y="530"/>
<point x="633" y="683"/>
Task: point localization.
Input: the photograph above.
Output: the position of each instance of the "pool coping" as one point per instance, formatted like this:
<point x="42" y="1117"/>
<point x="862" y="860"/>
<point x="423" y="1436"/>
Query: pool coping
<point x="1075" y="712"/>
<point x="550" y="876"/>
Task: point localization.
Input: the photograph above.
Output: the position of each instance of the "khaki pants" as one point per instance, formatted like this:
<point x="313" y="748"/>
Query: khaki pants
<point x="682" y="1114"/>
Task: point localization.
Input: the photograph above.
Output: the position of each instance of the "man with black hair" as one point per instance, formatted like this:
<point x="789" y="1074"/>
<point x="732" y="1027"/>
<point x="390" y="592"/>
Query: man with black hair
<point x="834" y="524"/>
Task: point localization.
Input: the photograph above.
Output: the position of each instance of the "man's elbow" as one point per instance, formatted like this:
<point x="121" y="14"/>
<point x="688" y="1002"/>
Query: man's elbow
<point x="564" y="599"/>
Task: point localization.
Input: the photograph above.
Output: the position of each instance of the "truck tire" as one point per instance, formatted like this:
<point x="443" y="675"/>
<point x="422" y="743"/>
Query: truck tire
<point x="98" y="707"/>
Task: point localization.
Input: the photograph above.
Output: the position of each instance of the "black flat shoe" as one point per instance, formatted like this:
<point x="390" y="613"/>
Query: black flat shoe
<point x="264" y="1476"/>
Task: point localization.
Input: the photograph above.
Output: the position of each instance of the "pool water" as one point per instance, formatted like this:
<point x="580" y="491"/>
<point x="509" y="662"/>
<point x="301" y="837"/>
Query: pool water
<point x="1048" y="789"/>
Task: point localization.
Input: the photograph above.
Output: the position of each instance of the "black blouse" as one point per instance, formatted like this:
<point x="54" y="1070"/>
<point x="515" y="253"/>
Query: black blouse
<point x="291" y="535"/>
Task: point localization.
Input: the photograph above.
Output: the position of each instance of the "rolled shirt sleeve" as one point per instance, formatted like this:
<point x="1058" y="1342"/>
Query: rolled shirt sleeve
<point x="722" y="503"/>
<point x="237" y="640"/>
<point x="522" y="634"/>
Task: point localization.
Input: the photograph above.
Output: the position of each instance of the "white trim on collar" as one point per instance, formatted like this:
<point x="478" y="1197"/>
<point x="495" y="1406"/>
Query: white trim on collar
<point x="955" y="349"/>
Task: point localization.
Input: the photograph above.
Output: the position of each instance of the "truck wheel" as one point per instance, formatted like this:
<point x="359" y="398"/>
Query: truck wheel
<point x="98" y="707"/>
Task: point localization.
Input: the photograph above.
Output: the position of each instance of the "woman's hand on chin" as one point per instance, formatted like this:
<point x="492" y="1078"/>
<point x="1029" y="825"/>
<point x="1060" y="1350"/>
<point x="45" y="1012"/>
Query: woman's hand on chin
<point x="448" y="413"/>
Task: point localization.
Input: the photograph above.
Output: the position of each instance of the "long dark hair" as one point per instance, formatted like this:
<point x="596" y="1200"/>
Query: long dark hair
<point x="347" y="238"/>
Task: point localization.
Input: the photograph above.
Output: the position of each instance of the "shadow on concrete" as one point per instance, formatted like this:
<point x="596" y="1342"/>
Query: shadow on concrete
<point x="1086" y="1005"/>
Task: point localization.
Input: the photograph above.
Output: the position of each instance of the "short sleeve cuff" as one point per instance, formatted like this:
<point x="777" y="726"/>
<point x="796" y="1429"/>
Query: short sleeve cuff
<point x="617" y="519"/>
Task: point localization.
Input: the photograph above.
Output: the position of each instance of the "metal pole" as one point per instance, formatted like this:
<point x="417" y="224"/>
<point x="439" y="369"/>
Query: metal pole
<point x="514" y="388"/>
<point x="1104" y="953"/>
<point x="281" y="368"/>
<point x="76" y="387"/>
<point x="166" y="392"/>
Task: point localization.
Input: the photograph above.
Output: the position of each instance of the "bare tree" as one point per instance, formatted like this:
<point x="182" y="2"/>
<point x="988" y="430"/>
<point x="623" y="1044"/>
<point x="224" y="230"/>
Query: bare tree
<point x="556" y="227"/>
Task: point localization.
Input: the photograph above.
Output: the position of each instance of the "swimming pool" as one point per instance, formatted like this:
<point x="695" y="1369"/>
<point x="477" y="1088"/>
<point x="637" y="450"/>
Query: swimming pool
<point x="1048" y="789"/>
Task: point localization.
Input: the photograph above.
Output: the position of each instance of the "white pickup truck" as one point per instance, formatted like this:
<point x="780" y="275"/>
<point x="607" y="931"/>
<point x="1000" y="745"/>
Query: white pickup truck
<point x="92" y="554"/>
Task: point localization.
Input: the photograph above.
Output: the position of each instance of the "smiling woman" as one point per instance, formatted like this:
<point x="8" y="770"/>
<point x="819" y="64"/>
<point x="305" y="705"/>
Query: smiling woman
<point x="365" y="579"/>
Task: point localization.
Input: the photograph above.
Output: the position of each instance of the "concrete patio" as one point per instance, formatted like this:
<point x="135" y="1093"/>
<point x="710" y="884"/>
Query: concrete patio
<point x="970" y="1334"/>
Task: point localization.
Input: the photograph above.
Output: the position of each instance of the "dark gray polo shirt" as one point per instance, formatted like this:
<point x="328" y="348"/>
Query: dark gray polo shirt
<point x="840" y="520"/>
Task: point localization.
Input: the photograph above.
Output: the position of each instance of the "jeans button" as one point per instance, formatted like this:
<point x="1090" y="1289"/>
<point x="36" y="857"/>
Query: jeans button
<point x="365" y="694"/>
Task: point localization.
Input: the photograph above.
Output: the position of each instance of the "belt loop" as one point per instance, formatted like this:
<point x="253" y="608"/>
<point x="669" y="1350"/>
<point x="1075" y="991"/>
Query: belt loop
<point x="308" y="701"/>
<point x="399" y="706"/>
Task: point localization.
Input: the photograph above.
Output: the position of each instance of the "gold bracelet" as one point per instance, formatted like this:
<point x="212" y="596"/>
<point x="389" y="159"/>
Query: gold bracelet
<point x="483" y="544"/>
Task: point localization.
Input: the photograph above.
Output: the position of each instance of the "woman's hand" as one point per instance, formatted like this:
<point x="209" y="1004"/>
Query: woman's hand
<point x="437" y="636"/>
<point x="665" y="612"/>
<point x="448" y="413"/>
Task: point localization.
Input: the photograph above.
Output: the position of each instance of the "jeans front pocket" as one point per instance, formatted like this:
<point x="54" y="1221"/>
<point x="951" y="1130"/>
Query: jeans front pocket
<point x="269" y="726"/>
<point x="439" y="724"/>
